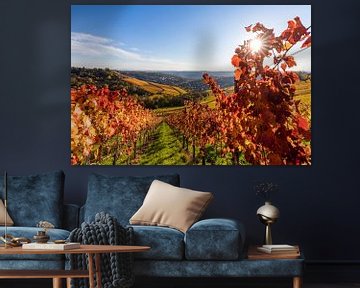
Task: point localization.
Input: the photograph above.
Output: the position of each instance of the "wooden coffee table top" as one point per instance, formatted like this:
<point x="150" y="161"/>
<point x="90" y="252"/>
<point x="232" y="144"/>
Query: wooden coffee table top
<point x="90" y="249"/>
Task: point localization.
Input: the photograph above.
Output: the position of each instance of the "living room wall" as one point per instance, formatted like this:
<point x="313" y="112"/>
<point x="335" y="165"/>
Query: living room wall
<point x="317" y="203"/>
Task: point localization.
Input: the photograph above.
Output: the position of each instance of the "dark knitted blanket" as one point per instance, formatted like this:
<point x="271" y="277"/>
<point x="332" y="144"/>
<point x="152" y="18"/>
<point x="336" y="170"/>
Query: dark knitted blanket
<point x="116" y="268"/>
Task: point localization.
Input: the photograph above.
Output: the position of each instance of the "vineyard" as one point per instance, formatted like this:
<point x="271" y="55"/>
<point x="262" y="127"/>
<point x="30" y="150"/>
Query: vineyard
<point x="264" y="119"/>
<point x="107" y="124"/>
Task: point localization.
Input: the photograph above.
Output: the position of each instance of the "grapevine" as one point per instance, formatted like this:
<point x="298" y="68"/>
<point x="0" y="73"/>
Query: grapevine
<point x="261" y="119"/>
<point x="106" y="122"/>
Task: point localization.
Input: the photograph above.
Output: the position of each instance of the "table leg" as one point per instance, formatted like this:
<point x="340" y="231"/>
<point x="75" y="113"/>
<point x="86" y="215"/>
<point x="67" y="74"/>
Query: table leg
<point x="68" y="282"/>
<point x="98" y="270"/>
<point x="57" y="283"/>
<point x="91" y="270"/>
<point x="297" y="282"/>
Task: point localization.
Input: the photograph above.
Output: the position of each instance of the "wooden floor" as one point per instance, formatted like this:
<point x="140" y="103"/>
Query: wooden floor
<point x="45" y="283"/>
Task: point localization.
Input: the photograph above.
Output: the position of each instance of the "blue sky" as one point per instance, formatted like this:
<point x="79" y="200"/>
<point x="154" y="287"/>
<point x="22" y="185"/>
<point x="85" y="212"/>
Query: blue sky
<point x="172" y="37"/>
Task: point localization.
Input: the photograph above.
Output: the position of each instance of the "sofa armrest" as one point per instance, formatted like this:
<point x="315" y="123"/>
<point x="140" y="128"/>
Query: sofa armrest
<point x="71" y="216"/>
<point x="215" y="239"/>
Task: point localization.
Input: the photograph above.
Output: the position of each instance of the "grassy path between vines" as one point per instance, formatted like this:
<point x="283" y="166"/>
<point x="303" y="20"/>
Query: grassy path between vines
<point x="164" y="148"/>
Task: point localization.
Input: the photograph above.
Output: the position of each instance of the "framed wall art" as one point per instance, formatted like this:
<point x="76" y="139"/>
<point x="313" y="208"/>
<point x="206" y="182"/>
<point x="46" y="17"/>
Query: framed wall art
<point x="191" y="85"/>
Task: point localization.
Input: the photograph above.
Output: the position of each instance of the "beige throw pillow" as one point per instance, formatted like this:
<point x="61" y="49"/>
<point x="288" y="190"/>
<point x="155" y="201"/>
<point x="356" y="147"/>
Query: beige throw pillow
<point x="170" y="206"/>
<point x="9" y="221"/>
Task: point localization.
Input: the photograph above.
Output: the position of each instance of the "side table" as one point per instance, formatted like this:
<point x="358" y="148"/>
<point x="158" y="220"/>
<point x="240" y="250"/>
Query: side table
<point x="288" y="259"/>
<point x="92" y="251"/>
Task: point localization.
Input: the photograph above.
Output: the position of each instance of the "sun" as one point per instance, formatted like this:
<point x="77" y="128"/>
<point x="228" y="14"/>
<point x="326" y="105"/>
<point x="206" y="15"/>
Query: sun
<point x="255" y="45"/>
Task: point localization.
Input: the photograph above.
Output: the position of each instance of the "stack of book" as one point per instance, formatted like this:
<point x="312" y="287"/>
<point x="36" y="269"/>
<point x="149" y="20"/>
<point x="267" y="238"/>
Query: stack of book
<point x="279" y="249"/>
<point x="51" y="246"/>
<point x="274" y="252"/>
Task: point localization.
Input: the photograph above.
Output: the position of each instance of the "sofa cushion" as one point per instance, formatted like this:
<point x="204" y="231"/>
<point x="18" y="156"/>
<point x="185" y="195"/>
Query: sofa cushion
<point x="214" y="239"/>
<point x="35" y="198"/>
<point x="9" y="221"/>
<point x="165" y="243"/>
<point x="170" y="206"/>
<point x="119" y="196"/>
<point x="29" y="232"/>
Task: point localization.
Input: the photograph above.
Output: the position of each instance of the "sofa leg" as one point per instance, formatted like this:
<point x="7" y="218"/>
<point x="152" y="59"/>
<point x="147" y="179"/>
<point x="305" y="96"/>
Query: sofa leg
<point x="297" y="282"/>
<point x="57" y="283"/>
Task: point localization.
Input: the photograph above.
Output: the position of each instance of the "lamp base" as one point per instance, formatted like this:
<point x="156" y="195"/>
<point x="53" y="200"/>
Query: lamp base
<point x="268" y="237"/>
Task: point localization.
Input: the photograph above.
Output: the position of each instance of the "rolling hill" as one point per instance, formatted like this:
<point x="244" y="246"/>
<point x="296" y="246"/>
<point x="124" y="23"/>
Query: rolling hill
<point x="152" y="94"/>
<point x="189" y="80"/>
<point x="155" y="88"/>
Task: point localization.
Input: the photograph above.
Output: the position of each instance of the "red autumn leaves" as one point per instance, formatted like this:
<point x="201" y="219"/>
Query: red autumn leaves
<point x="267" y="127"/>
<point x="296" y="32"/>
<point x="104" y="120"/>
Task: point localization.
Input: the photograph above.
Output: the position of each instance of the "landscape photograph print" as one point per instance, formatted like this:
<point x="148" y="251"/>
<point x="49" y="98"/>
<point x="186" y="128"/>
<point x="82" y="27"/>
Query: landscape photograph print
<point x="190" y="85"/>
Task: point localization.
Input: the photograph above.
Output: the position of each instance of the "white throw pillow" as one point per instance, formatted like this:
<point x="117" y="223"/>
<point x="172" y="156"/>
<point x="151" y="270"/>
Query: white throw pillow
<point x="170" y="206"/>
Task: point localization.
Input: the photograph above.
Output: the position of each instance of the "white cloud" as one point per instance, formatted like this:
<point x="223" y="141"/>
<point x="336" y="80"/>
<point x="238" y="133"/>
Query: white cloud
<point x="83" y="37"/>
<point x="93" y="51"/>
<point x="90" y="45"/>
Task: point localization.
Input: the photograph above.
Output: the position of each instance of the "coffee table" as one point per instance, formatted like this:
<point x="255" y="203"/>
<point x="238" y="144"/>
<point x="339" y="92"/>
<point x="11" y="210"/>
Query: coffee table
<point x="94" y="267"/>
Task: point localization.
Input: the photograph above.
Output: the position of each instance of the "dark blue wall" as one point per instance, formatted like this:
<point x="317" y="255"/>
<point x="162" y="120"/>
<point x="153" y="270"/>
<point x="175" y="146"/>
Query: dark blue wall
<point x="318" y="204"/>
